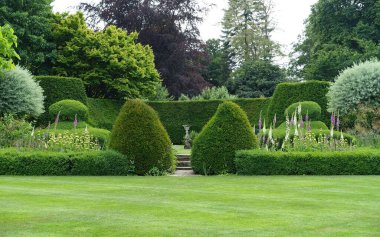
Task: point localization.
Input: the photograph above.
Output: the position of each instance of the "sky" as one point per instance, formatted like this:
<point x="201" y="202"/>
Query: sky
<point x="289" y="16"/>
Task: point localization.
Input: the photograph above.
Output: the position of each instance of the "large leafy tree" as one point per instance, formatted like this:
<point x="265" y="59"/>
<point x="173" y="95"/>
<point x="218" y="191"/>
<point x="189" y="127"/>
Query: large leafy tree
<point x="338" y="34"/>
<point x="8" y="42"/>
<point x="256" y="79"/>
<point x="219" y="66"/>
<point x="109" y="62"/>
<point x="30" y="20"/>
<point x="170" y="27"/>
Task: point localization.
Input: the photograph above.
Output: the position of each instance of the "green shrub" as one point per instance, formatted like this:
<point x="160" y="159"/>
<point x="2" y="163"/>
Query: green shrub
<point x="139" y="134"/>
<point x="103" y="112"/>
<point x="60" y="88"/>
<point x="15" y="162"/>
<point x="13" y="131"/>
<point x="19" y="93"/>
<point x="68" y="109"/>
<point x="289" y="93"/>
<point x="358" y="162"/>
<point x="174" y="114"/>
<point x="307" y="107"/>
<point x="359" y="84"/>
<point x="215" y="93"/>
<point x="228" y="131"/>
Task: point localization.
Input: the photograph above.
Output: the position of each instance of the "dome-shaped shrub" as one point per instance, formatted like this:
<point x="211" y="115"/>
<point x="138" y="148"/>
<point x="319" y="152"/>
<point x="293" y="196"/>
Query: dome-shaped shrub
<point x="359" y="84"/>
<point x="227" y="131"/>
<point x="139" y="134"/>
<point x="20" y="94"/>
<point x="68" y="109"/>
<point x="307" y="107"/>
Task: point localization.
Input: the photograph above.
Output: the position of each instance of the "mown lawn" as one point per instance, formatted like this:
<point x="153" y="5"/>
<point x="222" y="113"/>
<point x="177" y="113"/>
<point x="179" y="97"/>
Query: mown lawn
<point x="190" y="206"/>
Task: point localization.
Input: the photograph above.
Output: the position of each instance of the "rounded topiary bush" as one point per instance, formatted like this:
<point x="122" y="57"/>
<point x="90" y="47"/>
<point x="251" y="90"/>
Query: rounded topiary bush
<point x="139" y="134"/>
<point x="359" y="84"/>
<point x="19" y="93"/>
<point x="307" y="107"/>
<point x="228" y="131"/>
<point x="68" y="109"/>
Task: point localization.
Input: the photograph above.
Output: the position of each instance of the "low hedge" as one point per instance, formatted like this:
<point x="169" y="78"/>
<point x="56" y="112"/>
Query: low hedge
<point x="174" y="114"/>
<point x="14" y="162"/>
<point x="289" y="93"/>
<point x="357" y="162"/>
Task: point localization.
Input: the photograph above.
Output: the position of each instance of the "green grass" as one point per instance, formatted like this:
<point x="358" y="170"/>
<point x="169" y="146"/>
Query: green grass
<point x="180" y="149"/>
<point x="190" y="206"/>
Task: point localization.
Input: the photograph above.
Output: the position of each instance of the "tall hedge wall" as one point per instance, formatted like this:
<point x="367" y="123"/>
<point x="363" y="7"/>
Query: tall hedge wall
<point x="60" y="88"/>
<point x="174" y="114"/>
<point x="289" y="93"/>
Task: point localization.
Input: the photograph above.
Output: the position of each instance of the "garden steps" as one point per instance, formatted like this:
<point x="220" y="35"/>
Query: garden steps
<point x="184" y="163"/>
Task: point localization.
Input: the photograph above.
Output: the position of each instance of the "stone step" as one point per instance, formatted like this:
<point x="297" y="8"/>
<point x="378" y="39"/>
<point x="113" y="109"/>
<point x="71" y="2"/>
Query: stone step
<point x="184" y="164"/>
<point x="183" y="156"/>
<point x="184" y="168"/>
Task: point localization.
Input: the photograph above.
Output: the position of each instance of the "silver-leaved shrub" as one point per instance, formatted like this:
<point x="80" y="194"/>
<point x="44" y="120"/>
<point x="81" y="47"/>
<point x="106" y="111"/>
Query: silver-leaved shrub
<point x="359" y="84"/>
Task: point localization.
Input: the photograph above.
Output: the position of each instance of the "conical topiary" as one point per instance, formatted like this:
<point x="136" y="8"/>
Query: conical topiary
<point x="228" y="131"/>
<point x="139" y="134"/>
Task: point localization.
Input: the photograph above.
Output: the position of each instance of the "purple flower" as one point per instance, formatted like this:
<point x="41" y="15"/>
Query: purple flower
<point x="57" y="120"/>
<point x="301" y="123"/>
<point x="75" y="121"/>
<point x="307" y="116"/>
<point x="48" y="127"/>
<point x="309" y="126"/>
<point x="291" y="122"/>
<point x="337" y="122"/>
<point x="274" y="120"/>
<point x="260" y="122"/>
<point x="332" y="119"/>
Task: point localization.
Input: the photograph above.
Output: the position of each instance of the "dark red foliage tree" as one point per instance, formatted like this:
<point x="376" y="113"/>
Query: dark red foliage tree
<point x="170" y="28"/>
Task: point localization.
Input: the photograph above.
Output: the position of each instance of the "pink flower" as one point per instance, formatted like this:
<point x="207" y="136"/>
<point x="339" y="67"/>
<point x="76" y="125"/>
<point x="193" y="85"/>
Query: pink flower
<point x="75" y="121"/>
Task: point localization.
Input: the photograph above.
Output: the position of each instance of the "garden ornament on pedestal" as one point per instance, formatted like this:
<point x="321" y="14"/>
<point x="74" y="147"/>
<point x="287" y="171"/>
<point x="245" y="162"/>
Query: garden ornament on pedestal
<point x="187" y="137"/>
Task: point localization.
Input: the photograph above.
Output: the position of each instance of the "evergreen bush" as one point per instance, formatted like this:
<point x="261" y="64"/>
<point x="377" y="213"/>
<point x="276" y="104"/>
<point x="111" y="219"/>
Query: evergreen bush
<point x="139" y="134"/>
<point x="68" y="109"/>
<point x="307" y="107"/>
<point x="214" y="148"/>
<point x="20" y="94"/>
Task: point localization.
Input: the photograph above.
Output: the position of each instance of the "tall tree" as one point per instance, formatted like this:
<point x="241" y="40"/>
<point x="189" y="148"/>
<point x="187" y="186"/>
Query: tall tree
<point x="8" y="42"/>
<point x="248" y="26"/>
<point x="338" y="34"/>
<point x="170" y="27"/>
<point x="30" y="20"/>
<point x="218" y="69"/>
<point x="109" y="62"/>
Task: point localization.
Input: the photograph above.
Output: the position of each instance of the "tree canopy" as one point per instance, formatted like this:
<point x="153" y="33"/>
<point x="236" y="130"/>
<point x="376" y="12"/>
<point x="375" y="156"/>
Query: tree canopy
<point x="170" y="28"/>
<point x="8" y="42"/>
<point x="338" y="33"/>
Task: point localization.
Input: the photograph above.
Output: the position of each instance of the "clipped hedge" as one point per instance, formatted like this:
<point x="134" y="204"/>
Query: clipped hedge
<point x="357" y="162"/>
<point x="174" y="114"/>
<point x="289" y="93"/>
<point x="14" y="162"/>
<point x="103" y="112"/>
<point x="60" y="88"/>
<point x="139" y="134"/>
<point x="68" y="109"/>
<point x="310" y="108"/>
<point x="214" y="148"/>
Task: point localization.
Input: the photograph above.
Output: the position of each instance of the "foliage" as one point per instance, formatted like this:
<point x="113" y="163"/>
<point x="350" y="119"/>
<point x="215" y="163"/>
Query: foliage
<point x="215" y="93"/>
<point x="255" y="79"/>
<point x="103" y="112"/>
<point x="338" y="34"/>
<point x="248" y="26"/>
<point x="219" y="67"/>
<point x="31" y="21"/>
<point x="309" y="108"/>
<point x="170" y="28"/>
<point x="31" y="162"/>
<point x="139" y="134"/>
<point x="13" y="130"/>
<point x="289" y="93"/>
<point x="8" y="42"/>
<point x="359" y="84"/>
<point x="110" y="63"/>
<point x="358" y="162"/>
<point x="214" y="148"/>
<point x="197" y="113"/>
<point x="20" y="93"/>
<point x="69" y="110"/>
<point x="161" y="94"/>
